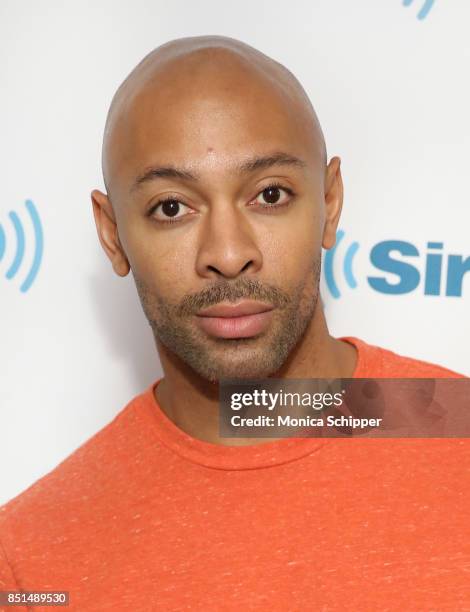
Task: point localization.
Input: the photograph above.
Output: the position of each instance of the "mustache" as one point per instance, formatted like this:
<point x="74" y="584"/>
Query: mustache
<point x="232" y="292"/>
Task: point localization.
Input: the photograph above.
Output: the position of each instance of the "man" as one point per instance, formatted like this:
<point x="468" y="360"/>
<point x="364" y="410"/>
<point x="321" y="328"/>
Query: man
<point x="219" y="198"/>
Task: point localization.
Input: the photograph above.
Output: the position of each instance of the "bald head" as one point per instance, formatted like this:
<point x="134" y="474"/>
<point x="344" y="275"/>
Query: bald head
<point x="214" y="71"/>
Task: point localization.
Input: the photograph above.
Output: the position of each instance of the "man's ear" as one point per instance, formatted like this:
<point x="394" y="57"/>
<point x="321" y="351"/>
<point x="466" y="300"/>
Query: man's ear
<point x="107" y="232"/>
<point x="333" y="201"/>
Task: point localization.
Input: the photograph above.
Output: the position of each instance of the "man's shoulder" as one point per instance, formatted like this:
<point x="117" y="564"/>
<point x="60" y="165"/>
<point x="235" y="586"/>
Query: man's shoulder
<point x="379" y="362"/>
<point x="85" y="475"/>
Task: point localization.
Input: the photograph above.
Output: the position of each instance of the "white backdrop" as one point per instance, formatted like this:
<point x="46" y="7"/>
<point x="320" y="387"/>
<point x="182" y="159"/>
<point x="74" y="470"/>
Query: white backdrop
<point x="392" y="93"/>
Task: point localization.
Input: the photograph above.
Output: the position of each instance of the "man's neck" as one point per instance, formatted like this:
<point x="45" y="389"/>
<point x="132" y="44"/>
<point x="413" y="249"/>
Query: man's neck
<point x="192" y="403"/>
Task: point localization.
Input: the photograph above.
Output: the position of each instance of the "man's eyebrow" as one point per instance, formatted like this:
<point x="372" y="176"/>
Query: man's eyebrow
<point x="155" y="172"/>
<point x="249" y="165"/>
<point x="275" y="159"/>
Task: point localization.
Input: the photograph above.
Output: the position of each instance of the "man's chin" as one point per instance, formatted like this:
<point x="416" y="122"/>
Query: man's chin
<point x="239" y="364"/>
<point x="218" y="375"/>
<point x="214" y="359"/>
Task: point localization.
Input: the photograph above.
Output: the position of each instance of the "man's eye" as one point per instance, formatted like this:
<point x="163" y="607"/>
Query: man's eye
<point x="169" y="209"/>
<point x="273" y="195"/>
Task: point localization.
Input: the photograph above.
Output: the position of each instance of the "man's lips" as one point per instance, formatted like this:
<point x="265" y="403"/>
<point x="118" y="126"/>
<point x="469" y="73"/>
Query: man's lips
<point x="242" y="320"/>
<point x="240" y="309"/>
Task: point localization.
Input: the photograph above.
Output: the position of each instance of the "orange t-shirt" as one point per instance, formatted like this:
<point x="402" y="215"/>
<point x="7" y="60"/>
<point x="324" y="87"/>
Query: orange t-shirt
<point x="144" y="517"/>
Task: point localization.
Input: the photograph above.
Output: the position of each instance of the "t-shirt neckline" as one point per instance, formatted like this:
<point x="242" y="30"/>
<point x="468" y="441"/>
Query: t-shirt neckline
<point x="218" y="456"/>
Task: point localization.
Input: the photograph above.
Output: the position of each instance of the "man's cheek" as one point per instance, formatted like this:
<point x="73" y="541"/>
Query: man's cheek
<point x="159" y="263"/>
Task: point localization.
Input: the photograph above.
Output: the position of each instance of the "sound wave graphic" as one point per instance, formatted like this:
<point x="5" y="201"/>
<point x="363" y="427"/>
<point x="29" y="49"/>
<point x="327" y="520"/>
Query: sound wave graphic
<point x="20" y="246"/>
<point x="427" y="6"/>
<point x="347" y="265"/>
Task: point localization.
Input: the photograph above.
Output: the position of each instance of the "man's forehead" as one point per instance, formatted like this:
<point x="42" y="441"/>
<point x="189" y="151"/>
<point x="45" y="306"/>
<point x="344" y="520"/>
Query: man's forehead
<point x="196" y="152"/>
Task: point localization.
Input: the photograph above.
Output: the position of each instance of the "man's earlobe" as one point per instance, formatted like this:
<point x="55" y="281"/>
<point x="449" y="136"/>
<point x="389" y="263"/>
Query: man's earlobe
<point x="106" y="227"/>
<point x="333" y="201"/>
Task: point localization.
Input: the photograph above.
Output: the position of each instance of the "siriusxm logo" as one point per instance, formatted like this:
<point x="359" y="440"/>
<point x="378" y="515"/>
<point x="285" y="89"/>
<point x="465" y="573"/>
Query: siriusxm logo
<point x="426" y="7"/>
<point x="20" y="242"/>
<point x="393" y="257"/>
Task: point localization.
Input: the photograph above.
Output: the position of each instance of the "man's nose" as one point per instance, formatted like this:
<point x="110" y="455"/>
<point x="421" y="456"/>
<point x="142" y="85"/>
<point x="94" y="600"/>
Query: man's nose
<point x="227" y="244"/>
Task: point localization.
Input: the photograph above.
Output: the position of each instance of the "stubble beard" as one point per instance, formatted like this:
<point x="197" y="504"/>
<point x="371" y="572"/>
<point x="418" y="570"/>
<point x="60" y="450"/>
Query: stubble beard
<point x="247" y="358"/>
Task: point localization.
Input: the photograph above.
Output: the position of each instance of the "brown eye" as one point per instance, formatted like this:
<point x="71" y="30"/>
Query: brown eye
<point x="273" y="196"/>
<point x="169" y="210"/>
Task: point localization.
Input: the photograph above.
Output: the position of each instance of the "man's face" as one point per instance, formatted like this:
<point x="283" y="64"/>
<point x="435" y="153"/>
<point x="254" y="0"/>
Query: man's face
<point x="230" y="234"/>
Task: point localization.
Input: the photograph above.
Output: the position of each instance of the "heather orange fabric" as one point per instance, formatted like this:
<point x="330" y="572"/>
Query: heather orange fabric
<point x="143" y="517"/>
